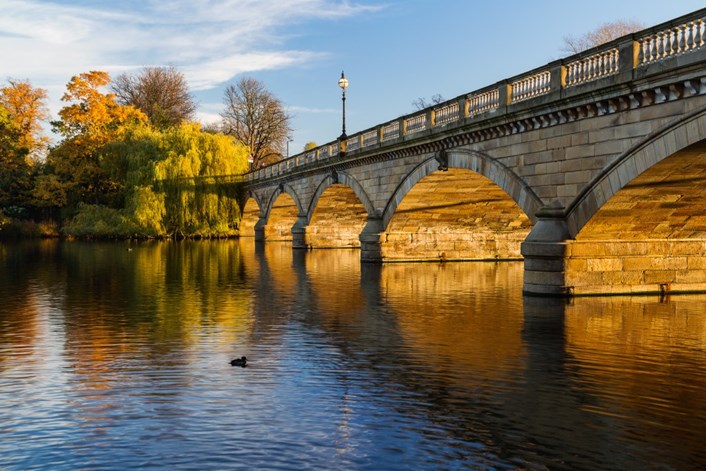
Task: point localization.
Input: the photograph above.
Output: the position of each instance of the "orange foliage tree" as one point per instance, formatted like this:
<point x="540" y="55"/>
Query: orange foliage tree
<point x="89" y="121"/>
<point x="27" y="109"/>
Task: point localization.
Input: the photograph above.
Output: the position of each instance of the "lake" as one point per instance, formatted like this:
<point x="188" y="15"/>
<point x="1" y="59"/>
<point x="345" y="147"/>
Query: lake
<point x="119" y="359"/>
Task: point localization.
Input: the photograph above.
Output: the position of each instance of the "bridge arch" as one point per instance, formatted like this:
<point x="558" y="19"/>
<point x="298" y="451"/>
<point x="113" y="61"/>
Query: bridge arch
<point x="479" y="163"/>
<point x="251" y="211"/>
<point x="256" y="198"/>
<point x="658" y="146"/>
<point x="283" y="188"/>
<point x="345" y="179"/>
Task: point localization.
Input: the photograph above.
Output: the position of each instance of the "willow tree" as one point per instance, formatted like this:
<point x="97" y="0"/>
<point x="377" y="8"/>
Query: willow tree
<point x="256" y="118"/>
<point x="197" y="176"/>
<point x="173" y="185"/>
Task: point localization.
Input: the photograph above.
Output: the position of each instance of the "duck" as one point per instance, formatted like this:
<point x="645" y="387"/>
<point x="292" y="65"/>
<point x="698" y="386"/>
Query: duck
<point x="242" y="361"/>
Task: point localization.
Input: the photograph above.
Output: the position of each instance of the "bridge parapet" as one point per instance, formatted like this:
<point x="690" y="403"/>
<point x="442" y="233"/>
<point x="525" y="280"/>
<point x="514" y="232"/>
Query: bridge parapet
<point x="651" y="52"/>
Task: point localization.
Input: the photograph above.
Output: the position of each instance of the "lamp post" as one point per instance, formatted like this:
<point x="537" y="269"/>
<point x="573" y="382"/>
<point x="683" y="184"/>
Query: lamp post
<point x="343" y="83"/>
<point x="288" y="141"/>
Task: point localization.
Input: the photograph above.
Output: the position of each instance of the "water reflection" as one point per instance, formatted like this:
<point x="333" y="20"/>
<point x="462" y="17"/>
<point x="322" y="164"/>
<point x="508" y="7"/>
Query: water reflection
<point x="112" y="358"/>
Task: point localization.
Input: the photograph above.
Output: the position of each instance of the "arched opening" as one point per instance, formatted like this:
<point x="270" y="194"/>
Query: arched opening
<point x="250" y="216"/>
<point x="338" y="219"/>
<point x="455" y="215"/>
<point x="283" y="215"/>
<point x="651" y="235"/>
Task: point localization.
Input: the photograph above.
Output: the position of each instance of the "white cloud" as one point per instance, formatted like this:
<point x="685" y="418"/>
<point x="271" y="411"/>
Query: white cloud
<point x="211" y="41"/>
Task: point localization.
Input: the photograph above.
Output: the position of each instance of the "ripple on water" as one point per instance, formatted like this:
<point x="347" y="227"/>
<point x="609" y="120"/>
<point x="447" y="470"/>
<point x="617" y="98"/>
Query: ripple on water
<point x="425" y="367"/>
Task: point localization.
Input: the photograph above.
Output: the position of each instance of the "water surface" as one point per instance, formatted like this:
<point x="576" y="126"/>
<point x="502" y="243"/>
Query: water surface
<point x="116" y="359"/>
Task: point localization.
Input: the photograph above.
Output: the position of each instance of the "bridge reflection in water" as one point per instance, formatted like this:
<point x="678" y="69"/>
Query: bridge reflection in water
<point x="401" y="365"/>
<point x="581" y="381"/>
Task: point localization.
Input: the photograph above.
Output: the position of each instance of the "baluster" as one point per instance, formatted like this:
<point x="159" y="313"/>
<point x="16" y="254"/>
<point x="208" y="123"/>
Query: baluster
<point x="697" y="36"/>
<point x="667" y="44"/>
<point x="600" y="66"/>
<point x="687" y="42"/>
<point x="653" y="48"/>
<point x="661" y="50"/>
<point x="611" y="62"/>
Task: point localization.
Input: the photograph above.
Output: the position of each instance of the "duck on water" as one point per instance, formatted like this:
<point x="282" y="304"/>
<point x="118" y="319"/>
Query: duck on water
<point x="242" y="361"/>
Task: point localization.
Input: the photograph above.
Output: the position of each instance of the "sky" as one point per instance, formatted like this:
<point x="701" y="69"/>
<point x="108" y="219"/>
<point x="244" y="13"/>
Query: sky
<point x="393" y="51"/>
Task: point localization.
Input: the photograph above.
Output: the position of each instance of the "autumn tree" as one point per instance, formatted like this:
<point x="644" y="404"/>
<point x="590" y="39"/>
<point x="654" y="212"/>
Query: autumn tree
<point x="162" y="93"/>
<point x="601" y="35"/>
<point x="27" y="109"/>
<point x="311" y="145"/>
<point x="89" y="121"/>
<point x="14" y="167"/>
<point x="256" y="118"/>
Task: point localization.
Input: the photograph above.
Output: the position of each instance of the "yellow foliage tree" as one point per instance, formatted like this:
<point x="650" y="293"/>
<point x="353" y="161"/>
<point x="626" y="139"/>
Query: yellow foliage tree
<point x="27" y="109"/>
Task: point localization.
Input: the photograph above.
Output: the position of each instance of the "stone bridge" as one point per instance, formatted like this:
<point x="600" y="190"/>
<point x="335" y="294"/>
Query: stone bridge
<point x="591" y="169"/>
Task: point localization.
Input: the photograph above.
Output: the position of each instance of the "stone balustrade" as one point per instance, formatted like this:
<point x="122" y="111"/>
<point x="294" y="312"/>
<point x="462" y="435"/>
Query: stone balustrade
<point x="615" y="62"/>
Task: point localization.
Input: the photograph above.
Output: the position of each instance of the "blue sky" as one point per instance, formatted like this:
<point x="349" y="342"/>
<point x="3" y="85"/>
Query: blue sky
<point x="393" y="51"/>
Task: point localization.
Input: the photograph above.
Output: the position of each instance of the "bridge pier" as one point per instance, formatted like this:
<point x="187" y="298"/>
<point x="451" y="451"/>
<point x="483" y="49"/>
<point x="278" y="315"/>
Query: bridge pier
<point x="260" y="229"/>
<point x="370" y="241"/>
<point x="299" y="233"/>
<point x="544" y="252"/>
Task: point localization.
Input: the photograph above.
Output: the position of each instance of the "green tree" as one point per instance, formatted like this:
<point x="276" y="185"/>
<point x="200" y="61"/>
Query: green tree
<point x="197" y="203"/>
<point x="14" y="167"/>
<point x="169" y="185"/>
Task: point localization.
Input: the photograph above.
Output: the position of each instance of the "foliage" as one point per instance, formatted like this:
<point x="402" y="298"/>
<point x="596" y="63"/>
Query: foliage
<point x="162" y="93"/>
<point x="601" y="35"/>
<point x="204" y="206"/>
<point x="90" y="121"/>
<point x="15" y="170"/>
<point x="180" y="205"/>
<point x="310" y="146"/>
<point x="27" y="108"/>
<point x="257" y="119"/>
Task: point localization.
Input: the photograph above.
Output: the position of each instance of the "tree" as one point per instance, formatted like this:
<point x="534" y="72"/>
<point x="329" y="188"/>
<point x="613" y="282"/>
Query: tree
<point x="90" y="121"/>
<point x="14" y="167"/>
<point x="27" y="108"/>
<point x="421" y="102"/>
<point x="257" y="119"/>
<point x="311" y="145"/>
<point x="601" y="35"/>
<point x="162" y="93"/>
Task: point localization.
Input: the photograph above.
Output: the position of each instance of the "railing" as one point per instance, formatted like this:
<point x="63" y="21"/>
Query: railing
<point x="589" y="68"/>
<point x="614" y="61"/>
<point x="673" y="41"/>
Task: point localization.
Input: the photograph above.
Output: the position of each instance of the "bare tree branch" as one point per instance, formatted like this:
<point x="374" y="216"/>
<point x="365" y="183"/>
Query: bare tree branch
<point x="601" y="35"/>
<point x="162" y="93"/>
<point x="257" y="119"/>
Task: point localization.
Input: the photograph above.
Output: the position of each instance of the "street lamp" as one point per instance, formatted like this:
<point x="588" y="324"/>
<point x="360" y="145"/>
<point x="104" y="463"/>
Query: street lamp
<point x="288" y="141"/>
<point x="343" y="83"/>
